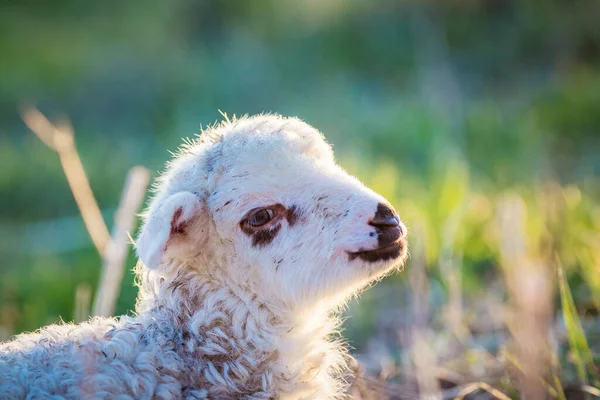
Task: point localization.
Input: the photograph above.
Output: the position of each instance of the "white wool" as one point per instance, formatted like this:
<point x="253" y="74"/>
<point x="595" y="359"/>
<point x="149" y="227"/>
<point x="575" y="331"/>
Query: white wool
<point x="222" y="312"/>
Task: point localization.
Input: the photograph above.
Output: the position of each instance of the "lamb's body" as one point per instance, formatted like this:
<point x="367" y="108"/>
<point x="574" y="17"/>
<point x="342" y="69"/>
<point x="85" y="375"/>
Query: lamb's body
<point x="218" y="343"/>
<point x="231" y="306"/>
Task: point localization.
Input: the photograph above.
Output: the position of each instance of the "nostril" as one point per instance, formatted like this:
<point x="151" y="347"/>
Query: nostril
<point x="391" y="222"/>
<point x="385" y="217"/>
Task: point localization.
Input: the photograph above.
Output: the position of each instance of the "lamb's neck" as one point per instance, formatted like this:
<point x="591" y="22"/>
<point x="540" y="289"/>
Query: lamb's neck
<point x="293" y="350"/>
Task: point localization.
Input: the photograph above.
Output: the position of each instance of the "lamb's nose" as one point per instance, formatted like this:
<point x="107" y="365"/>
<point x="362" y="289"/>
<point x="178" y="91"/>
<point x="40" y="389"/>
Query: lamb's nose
<point x="385" y="217"/>
<point x="387" y="224"/>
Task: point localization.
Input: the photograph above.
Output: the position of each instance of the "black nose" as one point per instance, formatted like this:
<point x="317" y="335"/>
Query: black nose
<point x="387" y="225"/>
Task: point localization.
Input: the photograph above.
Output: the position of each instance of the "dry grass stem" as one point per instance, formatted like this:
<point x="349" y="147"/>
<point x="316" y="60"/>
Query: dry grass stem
<point x="116" y="251"/>
<point x="423" y="355"/>
<point x="83" y="297"/>
<point x="60" y="138"/>
<point x="62" y="142"/>
<point x="530" y="292"/>
<point x="473" y="387"/>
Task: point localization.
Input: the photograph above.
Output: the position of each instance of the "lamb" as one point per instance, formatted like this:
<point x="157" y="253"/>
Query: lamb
<point x="254" y="239"/>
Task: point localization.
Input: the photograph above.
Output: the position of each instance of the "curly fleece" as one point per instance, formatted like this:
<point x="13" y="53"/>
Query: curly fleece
<point x="224" y="312"/>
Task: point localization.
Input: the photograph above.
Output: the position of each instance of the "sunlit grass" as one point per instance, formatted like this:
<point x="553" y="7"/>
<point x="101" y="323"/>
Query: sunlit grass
<point x="579" y="348"/>
<point x="497" y="309"/>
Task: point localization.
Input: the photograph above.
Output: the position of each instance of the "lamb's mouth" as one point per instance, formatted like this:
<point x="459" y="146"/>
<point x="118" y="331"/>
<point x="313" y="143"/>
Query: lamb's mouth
<point x="388" y="252"/>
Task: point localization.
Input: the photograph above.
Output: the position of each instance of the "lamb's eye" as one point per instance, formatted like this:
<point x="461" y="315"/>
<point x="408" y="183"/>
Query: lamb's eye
<point x="261" y="217"/>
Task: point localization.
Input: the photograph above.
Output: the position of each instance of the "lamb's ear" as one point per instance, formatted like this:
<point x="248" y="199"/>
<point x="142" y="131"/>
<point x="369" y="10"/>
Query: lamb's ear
<point x="177" y="224"/>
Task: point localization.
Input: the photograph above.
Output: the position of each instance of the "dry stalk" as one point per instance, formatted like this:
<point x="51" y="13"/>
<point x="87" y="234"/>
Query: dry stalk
<point x="451" y="272"/>
<point x="422" y="353"/>
<point x="83" y="297"/>
<point x="116" y="250"/>
<point x="112" y="249"/>
<point x="63" y="143"/>
<point x="530" y="292"/>
<point x="474" y="387"/>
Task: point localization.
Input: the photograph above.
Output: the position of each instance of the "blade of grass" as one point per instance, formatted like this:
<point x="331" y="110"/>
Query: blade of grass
<point x="577" y="340"/>
<point x="559" y="389"/>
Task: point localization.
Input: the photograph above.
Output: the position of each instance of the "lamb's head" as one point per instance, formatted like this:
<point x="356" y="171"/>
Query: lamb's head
<point x="261" y="200"/>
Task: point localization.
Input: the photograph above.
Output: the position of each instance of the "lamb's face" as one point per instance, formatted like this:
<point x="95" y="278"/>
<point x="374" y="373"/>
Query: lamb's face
<point x="282" y="217"/>
<point x="307" y="228"/>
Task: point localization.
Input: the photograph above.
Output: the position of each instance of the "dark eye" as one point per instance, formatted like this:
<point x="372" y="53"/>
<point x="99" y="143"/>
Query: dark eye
<point x="261" y="217"/>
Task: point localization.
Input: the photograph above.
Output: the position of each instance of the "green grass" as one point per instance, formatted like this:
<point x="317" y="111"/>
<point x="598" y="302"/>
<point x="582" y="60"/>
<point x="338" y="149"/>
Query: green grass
<point x="490" y="261"/>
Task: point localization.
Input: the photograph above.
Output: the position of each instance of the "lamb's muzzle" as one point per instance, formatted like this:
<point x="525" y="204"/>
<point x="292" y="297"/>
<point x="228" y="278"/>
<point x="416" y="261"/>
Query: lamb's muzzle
<point x="391" y="242"/>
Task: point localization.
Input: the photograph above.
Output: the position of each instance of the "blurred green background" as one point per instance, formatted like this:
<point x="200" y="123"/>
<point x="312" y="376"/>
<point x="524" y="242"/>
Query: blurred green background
<point x="443" y="107"/>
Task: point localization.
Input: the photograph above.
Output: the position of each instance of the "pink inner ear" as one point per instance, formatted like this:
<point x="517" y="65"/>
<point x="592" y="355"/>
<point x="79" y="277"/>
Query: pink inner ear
<point x="176" y="226"/>
<point x="168" y="226"/>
